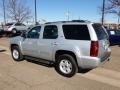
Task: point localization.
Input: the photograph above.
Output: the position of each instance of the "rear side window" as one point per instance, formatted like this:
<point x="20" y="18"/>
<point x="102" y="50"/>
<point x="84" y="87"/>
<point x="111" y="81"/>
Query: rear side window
<point x="101" y="34"/>
<point x="76" y="32"/>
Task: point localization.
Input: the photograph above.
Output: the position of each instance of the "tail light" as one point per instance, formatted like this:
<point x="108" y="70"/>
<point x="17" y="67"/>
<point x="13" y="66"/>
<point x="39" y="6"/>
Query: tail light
<point x="94" y="49"/>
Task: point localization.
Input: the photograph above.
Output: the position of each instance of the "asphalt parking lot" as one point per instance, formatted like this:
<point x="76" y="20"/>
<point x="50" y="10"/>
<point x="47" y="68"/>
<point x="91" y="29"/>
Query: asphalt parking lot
<point x="31" y="76"/>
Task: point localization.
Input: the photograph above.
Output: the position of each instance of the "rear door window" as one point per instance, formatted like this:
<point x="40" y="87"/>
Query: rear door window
<point x="50" y="32"/>
<point x="76" y="32"/>
<point x="101" y="34"/>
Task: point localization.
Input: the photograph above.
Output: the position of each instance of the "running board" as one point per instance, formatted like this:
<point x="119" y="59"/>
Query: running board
<point x="41" y="61"/>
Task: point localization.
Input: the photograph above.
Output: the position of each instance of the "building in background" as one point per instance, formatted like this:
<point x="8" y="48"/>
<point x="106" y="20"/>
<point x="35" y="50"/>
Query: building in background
<point x="112" y="26"/>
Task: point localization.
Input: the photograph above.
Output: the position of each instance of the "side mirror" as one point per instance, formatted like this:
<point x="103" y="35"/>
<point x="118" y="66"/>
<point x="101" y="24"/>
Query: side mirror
<point x="23" y="34"/>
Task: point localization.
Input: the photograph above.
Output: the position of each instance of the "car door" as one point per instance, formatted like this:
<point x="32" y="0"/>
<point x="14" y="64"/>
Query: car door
<point x="20" y="26"/>
<point x="117" y="35"/>
<point x="48" y="41"/>
<point x="30" y="43"/>
<point x="114" y="37"/>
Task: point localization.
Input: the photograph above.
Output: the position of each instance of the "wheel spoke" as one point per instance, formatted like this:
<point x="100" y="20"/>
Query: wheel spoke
<point x="65" y="66"/>
<point x="15" y="54"/>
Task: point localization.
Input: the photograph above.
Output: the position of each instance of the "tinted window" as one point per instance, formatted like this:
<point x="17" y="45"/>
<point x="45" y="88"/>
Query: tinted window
<point x="50" y="32"/>
<point x="34" y="33"/>
<point x="118" y="32"/>
<point x="76" y="32"/>
<point x="9" y="24"/>
<point x="101" y="34"/>
<point x="19" y="24"/>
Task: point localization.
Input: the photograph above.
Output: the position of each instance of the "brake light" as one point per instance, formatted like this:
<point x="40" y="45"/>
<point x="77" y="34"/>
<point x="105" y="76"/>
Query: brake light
<point x="94" y="49"/>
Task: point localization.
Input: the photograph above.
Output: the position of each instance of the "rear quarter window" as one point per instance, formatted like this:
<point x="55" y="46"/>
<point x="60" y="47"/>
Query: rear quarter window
<point x="101" y="34"/>
<point x="76" y="32"/>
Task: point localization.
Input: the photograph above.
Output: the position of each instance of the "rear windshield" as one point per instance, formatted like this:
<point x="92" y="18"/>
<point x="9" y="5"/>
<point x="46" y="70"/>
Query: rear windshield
<point x="101" y="34"/>
<point x="76" y="32"/>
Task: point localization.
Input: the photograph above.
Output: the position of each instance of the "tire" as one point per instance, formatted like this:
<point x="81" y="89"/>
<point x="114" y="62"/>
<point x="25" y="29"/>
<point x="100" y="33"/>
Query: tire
<point x="14" y="31"/>
<point x="66" y="65"/>
<point x="16" y="53"/>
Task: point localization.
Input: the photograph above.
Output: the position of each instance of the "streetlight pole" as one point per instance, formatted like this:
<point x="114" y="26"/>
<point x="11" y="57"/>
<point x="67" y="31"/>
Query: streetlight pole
<point x="4" y="11"/>
<point x="35" y="13"/>
<point x="67" y="14"/>
<point x="103" y="12"/>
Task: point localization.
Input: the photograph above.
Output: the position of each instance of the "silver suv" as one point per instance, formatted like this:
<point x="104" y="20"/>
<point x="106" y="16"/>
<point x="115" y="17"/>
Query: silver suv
<point x="68" y="45"/>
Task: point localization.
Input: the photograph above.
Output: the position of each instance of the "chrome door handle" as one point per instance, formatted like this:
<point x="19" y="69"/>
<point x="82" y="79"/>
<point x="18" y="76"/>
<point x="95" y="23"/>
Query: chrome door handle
<point x="55" y="43"/>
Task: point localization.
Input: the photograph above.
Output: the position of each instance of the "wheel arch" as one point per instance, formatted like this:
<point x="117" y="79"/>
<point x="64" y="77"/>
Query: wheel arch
<point x="61" y="52"/>
<point x="13" y="45"/>
<point x="14" y="29"/>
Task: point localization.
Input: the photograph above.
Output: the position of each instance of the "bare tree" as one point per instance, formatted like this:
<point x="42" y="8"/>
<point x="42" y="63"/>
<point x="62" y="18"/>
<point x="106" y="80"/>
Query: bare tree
<point x="3" y="9"/>
<point x="113" y="7"/>
<point x="18" y="11"/>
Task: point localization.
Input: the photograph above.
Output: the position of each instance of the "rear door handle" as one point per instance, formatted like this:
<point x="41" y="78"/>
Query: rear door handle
<point x="55" y="43"/>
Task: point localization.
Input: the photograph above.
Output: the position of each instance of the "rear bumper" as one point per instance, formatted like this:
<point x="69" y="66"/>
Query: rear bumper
<point x="87" y="62"/>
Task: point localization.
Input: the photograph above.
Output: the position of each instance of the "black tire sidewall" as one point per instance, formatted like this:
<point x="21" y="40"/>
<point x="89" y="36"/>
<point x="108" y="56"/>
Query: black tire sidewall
<point x="71" y="60"/>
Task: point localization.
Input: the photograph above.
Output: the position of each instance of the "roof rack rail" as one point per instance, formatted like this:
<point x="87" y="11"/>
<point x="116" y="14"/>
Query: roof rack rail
<point x="82" y="21"/>
<point x="56" y="22"/>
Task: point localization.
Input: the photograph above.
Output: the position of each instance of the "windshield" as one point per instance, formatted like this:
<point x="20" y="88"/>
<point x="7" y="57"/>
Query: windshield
<point x="100" y="31"/>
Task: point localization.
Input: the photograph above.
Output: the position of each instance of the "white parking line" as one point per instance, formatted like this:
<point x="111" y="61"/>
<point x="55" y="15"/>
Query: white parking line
<point x="103" y="75"/>
<point x="107" y="73"/>
<point x="7" y="51"/>
<point x="102" y="79"/>
<point x="2" y="47"/>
